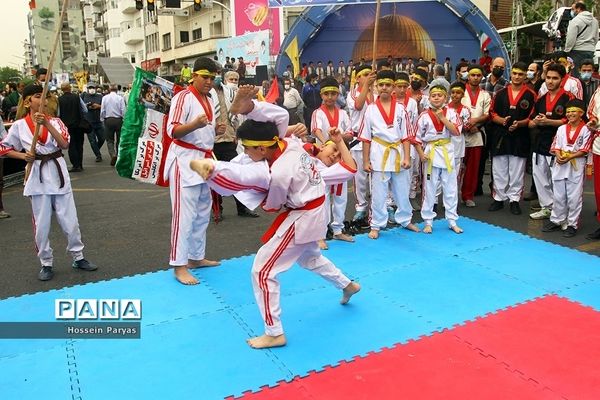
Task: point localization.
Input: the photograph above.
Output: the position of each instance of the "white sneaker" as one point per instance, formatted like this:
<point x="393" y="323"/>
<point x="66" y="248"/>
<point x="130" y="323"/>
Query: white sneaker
<point x="4" y="214"/>
<point x="470" y="203"/>
<point x="544" y="213"/>
<point x="564" y="225"/>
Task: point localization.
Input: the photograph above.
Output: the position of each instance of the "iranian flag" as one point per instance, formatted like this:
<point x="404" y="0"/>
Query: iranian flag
<point x="484" y="40"/>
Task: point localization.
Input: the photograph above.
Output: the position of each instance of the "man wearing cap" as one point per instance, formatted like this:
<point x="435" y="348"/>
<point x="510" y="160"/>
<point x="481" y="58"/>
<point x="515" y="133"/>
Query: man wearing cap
<point x="191" y="124"/>
<point x="510" y="142"/>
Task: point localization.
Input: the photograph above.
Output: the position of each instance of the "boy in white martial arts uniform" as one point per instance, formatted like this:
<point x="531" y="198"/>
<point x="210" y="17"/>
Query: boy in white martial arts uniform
<point x="325" y="117"/>
<point x="296" y="184"/>
<point x="358" y="99"/>
<point x="435" y="128"/>
<point x="49" y="185"/>
<point x="386" y="154"/>
<point x="457" y="92"/>
<point x="570" y="147"/>
<point x="192" y="125"/>
<point x="412" y="109"/>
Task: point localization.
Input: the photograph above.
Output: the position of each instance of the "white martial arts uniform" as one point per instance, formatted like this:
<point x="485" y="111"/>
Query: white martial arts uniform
<point x="337" y="196"/>
<point x="190" y="196"/>
<point x="567" y="179"/>
<point x="44" y="187"/>
<point x="386" y="134"/>
<point x="296" y="184"/>
<point x="361" y="179"/>
<point x="412" y="109"/>
<point x="437" y="142"/>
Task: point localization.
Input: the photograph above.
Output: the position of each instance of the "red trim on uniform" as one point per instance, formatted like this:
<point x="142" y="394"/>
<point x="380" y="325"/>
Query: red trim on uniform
<point x="264" y="272"/>
<point x="346" y="166"/>
<point x="43" y="130"/>
<point x="333" y="120"/>
<point x="5" y="149"/>
<point x="203" y="100"/>
<point x="596" y="166"/>
<point x="312" y="204"/>
<point x="179" y="108"/>
<point x="229" y="184"/>
<point x="37" y="250"/>
<point x="176" y="211"/>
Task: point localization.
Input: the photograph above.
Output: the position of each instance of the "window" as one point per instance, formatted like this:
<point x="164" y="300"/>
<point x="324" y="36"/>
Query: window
<point x="166" y="41"/>
<point x="495" y="5"/>
<point x="132" y="58"/>
<point x="184" y="36"/>
<point x="114" y="33"/>
<point x="197" y="34"/>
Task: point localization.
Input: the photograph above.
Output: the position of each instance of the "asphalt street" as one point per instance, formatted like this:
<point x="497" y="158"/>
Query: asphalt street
<point x="125" y="226"/>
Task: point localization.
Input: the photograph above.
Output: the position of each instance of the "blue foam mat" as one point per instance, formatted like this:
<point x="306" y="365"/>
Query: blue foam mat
<point x="413" y="284"/>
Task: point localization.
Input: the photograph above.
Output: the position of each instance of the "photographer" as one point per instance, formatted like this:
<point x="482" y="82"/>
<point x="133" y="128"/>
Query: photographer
<point x="582" y="35"/>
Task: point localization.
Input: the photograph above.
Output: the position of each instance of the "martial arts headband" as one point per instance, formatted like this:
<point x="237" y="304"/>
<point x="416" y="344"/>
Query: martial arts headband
<point x="518" y="70"/>
<point x="330" y="89"/>
<point x="401" y="81"/>
<point x="417" y="77"/>
<point x="363" y="72"/>
<point x="475" y="71"/>
<point x="570" y="109"/>
<point x="385" y="80"/>
<point x="256" y="143"/>
<point x="562" y="60"/>
<point x="438" y="89"/>
<point x="327" y="143"/>
<point x="205" y="72"/>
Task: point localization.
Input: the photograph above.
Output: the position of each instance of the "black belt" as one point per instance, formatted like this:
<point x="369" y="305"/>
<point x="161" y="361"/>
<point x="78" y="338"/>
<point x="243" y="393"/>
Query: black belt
<point x="52" y="156"/>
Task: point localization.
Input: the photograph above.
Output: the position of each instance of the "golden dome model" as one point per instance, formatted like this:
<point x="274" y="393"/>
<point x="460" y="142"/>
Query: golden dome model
<point x="398" y="36"/>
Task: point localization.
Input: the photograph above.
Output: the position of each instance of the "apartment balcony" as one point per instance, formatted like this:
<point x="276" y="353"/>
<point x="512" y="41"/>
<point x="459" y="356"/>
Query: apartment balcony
<point x="133" y="35"/>
<point x="128" y="7"/>
<point x="99" y="26"/>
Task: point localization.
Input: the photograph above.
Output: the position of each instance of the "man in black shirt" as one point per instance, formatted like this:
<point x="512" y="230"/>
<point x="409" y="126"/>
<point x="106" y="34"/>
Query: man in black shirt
<point x="70" y="113"/>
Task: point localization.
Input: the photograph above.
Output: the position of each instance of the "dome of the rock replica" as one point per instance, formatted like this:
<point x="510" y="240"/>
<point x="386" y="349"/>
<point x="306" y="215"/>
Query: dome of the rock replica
<point x="399" y="36"/>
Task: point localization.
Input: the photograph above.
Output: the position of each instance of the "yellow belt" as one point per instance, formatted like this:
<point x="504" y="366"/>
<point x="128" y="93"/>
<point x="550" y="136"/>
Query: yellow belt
<point x="565" y="153"/>
<point x="439" y="143"/>
<point x="386" y="154"/>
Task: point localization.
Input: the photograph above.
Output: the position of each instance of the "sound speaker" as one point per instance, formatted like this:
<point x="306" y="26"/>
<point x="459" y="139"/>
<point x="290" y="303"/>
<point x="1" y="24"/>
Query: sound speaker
<point x="261" y="75"/>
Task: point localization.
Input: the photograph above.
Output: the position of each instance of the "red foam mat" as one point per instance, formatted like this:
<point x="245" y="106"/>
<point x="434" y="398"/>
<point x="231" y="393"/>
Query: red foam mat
<point x="544" y="349"/>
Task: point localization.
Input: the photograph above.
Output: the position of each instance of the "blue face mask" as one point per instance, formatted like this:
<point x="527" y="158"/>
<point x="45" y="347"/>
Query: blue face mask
<point x="586" y="76"/>
<point x="218" y="80"/>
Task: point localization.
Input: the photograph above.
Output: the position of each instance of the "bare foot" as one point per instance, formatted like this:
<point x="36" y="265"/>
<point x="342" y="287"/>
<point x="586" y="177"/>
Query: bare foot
<point x="349" y="291"/>
<point x="374" y="234"/>
<point x="265" y="341"/>
<point x="242" y="103"/>
<point x="427" y="229"/>
<point x="202" y="263"/>
<point x="412" y="227"/>
<point x="203" y="167"/>
<point x="183" y="276"/>
<point x="322" y="244"/>
<point x="456" y="229"/>
<point x="343" y="237"/>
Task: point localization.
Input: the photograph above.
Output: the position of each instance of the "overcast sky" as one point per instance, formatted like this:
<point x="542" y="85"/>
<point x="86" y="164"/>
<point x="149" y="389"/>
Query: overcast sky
<point x="13" y="30"/>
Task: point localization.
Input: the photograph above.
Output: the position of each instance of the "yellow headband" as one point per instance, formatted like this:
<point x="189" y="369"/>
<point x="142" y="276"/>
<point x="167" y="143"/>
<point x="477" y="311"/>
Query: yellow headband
<point x="205" y="72"/>
<point x="417" y="77"/>
<point x="385" y="80"/>
<point x="256" y="143"/>
<point x="518" y="70"/>
<point x="562" y="60"/>
<point x="363" y="72"/>
<point x="330" y="89"/>
<point x="569" y="109"/>
<point x="476" y="71"/>
<point x="401" y="81"/>
<point x="327" y="143"/>
<point x="438" y="89"/>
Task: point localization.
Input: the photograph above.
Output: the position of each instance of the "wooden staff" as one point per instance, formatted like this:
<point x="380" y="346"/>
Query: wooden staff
<point x="376" y="34"/>
<point x="36" y="135"/>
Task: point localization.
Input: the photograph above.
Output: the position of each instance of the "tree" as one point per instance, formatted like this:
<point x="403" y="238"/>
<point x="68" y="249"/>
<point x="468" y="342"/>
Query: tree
<point x="8" y="74"/>
<point x="45" y="13"/>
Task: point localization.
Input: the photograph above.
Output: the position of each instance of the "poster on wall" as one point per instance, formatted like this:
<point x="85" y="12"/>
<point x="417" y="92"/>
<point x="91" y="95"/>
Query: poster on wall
<point x="252" y="46"/>
<point x="254" y="16"/>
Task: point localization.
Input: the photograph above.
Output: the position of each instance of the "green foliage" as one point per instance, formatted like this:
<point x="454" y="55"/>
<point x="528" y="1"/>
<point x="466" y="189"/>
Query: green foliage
<point x="8" y="74"/>
<point x="536" y="10"/>
<point x="46" y="13"/>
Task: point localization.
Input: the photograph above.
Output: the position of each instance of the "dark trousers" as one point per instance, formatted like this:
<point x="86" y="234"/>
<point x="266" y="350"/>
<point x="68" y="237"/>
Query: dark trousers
<point x="1" y="182"/>
<point x="226" y="151"/>
<point x="112" y="134"/>
<point x="96" y="137"/>
<point x="76" y="146"/>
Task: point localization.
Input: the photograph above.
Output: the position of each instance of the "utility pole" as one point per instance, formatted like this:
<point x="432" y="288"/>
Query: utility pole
<point x="516" y="20"/>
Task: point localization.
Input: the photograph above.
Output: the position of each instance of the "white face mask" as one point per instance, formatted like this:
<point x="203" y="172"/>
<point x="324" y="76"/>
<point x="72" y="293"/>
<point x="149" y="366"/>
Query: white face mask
<point x="92" y="91"/>
<point x="464" y="76"/>
<point x="530" y="74"/>
<point x="586" y="76"/>
<point x="231" y="85"/>
<point x="286" y="87"/>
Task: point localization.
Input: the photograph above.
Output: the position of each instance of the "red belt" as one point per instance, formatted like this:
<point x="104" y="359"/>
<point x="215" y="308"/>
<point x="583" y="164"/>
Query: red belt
<point x="281" y="217"/>
<point x="337" y="189"/>
<point x="208" y="153"/>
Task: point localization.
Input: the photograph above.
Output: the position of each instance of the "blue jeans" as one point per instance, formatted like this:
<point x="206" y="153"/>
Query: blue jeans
<point x="96" y="137"/>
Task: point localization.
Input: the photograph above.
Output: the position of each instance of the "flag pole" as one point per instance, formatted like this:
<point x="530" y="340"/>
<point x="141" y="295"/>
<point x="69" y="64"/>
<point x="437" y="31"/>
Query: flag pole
<point x="376" y="34"/>
<point x="36" y="135"/>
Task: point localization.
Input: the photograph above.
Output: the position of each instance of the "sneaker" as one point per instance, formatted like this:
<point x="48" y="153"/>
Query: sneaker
<point x="46" y="273"/>
<point x="470" y="203"/>
<point x="496" y="205"/>
<point x="594" y="235"/>
<point x="247" y="213"/>
<point x="4" y="214"/>
<point x="550" y="226"/>
<point x="563" y="226"/>
<point x="84" y="265"/>
<point x="570" y="232"/>
<point x="515" y="208"/>
<point x="98" y="158"/>
<point x="544" y="213"/>
<point x="359" y="215"/>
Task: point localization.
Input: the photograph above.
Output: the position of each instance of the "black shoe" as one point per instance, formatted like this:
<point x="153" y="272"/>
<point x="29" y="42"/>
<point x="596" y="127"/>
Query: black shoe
<point x="479" y="192"/>
<point x="435" y="208"/>
<point x="46" y="273"/>
<point x="98" y="158"/>
<point x="247" y="213"/>
<point x="530" y="196"/>
<point x="113" y="161"/>
<point x="496" y="205"/>
<point x="594" y="235"/>
<point x="76" y="169"/>
<point x="550" y="226"/>
<point x="515" y="208"/>
<point x="84" y="265"/>
<point x="570" y="232"/>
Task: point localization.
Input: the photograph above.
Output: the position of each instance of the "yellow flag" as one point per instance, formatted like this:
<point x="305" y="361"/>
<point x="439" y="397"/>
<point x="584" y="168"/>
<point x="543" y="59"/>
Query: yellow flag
<point x="292" y="52"/>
